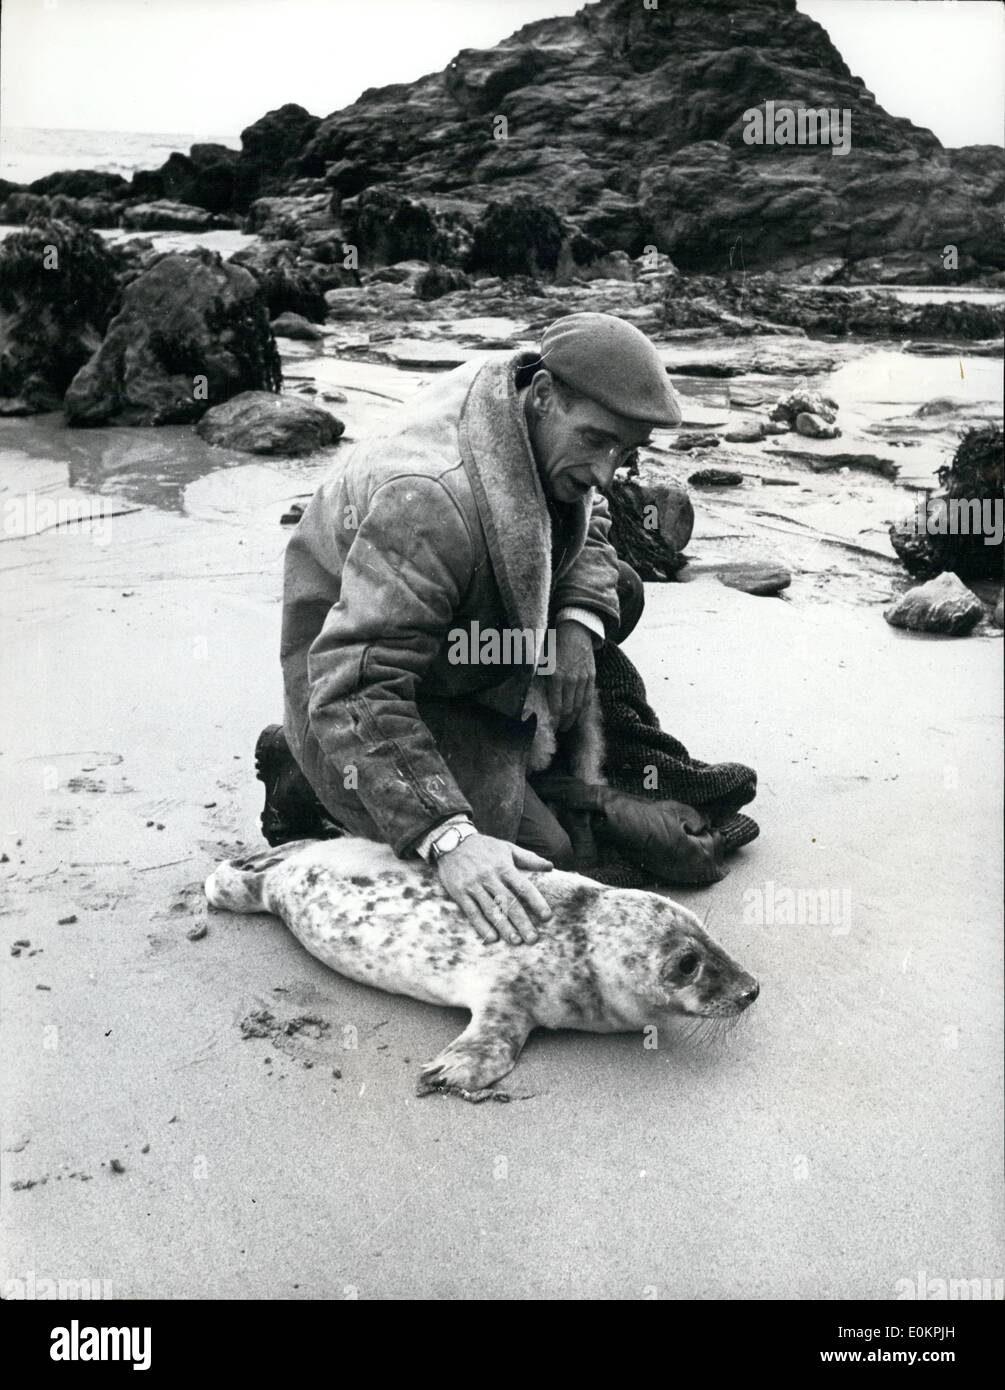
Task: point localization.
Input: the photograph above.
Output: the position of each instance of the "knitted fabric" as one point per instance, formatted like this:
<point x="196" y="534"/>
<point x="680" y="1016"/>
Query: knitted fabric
<point x="636" y="746"/>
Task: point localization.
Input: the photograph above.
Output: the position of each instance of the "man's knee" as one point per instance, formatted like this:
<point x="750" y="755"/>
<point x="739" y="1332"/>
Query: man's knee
<point x="631" y="601"/>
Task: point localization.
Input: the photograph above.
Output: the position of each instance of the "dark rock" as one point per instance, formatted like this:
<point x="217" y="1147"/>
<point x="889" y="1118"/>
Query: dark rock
<point x="204" y="178"/>
<point x="270" y="151"/>
<point x="21" y="208"/>
<point x="439" y="280"/>
<point x="815" y="427"/>
<point x="999" y="613"/>
<point x="684" y="443"/>
<point x="715" y="477"/>
<point x="262" y="423"/>
<point x="957" y="530"/>
<point x="327" y="246"/>
<point x="943" y="605"/>
<point x="763" y="581"/>
<point x="51" y="319"/>
<point x="290" y="325"/>
<point x="746" y="432"/>
<point x="831" y="462"/>
<point x="387" y="226"/>
<point x="519" y="237"/>
<point x="745" y="303"/>
<point x="290" y="284"/>
<point x="629" y="122"/>
<point x="401" y="273"/>
<point x="803" y="401"/>
<point x="940" y="405"/>
<point x="193" y="330"/>
<point x="166" y="216"/>
<point x="979" y="348"/>
<point x="291" y="218"/>
<point x="650" y="526"/>
<point x="918" y="267"/>
<point x="83" y="183"/>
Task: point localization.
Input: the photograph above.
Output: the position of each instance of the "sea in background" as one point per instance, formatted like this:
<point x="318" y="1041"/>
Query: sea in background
<point x="29" y="152"/>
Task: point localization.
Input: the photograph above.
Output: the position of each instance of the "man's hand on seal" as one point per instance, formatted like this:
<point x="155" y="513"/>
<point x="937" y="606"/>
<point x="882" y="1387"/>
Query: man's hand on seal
<point x="571" y="685"/>
<point x="482" y="876"/>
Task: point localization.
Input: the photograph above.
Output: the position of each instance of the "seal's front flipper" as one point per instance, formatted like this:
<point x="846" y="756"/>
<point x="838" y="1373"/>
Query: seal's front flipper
<point x="483" y="1054"/>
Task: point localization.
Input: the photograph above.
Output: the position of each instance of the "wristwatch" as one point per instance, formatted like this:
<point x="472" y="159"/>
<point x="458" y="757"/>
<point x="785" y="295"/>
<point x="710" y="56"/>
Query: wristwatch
<point x="453" y="836"/>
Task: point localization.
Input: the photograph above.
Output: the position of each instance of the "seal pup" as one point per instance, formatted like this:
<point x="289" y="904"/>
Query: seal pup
<point x="609" y="960"/>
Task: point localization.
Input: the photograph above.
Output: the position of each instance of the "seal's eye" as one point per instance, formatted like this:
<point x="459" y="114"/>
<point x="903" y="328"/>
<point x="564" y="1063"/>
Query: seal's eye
<point x="688" y="963"/>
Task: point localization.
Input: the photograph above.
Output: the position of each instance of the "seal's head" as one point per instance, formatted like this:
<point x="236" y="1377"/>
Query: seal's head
<point x="700" y="978"/>
<point x="666" y="965"/>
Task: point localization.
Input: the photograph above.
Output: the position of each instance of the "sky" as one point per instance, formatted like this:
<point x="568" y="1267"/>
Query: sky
<point x="214" y="66"/>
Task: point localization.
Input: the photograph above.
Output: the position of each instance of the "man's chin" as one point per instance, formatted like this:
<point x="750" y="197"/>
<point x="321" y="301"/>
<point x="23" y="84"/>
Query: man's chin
<point x="568" y="491"/>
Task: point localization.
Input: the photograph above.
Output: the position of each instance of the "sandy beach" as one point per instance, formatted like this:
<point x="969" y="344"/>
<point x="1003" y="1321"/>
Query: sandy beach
<point x="847" y="1138"/>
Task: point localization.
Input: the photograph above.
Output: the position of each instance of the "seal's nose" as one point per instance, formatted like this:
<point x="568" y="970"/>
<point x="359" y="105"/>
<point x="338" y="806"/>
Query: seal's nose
<point x="748" y="998"/>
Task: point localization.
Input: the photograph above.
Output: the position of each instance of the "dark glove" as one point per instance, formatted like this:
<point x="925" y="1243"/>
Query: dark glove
<point x="669" y="840"/>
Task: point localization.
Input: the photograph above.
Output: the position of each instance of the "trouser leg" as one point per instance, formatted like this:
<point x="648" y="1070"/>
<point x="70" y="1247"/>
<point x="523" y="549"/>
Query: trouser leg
<point x="540" y="832"/>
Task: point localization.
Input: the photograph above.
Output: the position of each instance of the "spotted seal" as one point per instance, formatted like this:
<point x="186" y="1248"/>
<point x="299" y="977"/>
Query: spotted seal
<point x="609" y="960"/>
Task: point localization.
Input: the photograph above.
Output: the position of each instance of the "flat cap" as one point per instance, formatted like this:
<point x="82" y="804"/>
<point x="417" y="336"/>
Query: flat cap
<point x="613" y="363"/>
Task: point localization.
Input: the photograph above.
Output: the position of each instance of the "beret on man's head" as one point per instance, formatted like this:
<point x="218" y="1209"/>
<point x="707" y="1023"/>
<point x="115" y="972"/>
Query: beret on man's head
<point x="613" y="363"/>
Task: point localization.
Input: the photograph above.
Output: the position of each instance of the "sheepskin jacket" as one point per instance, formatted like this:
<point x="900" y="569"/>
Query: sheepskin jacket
<point x="436" y="522"/>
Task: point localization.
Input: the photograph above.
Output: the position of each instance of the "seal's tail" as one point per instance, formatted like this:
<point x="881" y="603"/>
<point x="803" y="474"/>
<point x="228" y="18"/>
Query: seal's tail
<point x="239" y="884"/>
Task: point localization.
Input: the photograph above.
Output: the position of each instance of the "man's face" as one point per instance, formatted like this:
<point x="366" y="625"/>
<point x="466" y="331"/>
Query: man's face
<point x="578" y="446"/>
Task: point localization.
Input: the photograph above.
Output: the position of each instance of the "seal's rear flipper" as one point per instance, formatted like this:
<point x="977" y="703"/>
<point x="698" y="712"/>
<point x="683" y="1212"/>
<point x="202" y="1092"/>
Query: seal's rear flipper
<point x="483" y="1054"/>
<point x="239" y="884"/>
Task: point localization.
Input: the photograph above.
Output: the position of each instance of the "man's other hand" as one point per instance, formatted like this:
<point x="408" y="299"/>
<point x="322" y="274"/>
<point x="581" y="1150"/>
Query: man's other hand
<point x="483" y="877"/>
<point x="571" y="685"/>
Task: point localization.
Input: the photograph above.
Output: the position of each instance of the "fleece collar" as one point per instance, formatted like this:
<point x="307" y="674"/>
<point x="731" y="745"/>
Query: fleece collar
<point x="497" y="456"/>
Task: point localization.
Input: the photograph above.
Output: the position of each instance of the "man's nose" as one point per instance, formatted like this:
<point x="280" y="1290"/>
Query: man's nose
<point x="602" y="474"/>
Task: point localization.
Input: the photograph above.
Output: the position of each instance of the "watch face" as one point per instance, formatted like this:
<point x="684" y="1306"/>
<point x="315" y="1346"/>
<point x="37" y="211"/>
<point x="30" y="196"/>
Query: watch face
<point x="449" y="840"/>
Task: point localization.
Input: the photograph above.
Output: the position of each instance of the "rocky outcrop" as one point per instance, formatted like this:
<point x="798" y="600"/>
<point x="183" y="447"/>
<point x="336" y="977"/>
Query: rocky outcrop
<point x="270" y="150"/>
<point x="630" y="122"/>
<point x="82" y="183"/>
<point x="742" y="304"/>
<point x="960" y="528"/>
<point x="220" y="179"/>
<point x="439" y="280"/>
<point x="291" y="283"/>
<point x="58" y="289"/>
<point x="193" y="330"/>
<point x="519" y="237"/>
<point x="290" y="325"/>
<point x="20" y="208"/>
<point x="166" y="216"/>
<point x="386" y="226"/>
<point x="206" y="177"/>
<point x="651" y="523"/>
<point x="815" y="426"/>
<point x="803" y="400"/>
<point x="291" y="217"/>
<point x="259" y="422"/>
<point x="943" y="605"/>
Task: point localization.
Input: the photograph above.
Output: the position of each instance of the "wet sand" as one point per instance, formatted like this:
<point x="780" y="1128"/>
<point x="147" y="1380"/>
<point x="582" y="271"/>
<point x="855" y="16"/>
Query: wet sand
<point x="848" y="1136"/>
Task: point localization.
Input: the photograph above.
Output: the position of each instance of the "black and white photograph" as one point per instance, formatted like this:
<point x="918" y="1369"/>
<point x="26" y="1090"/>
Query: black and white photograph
<point x="501" y="529"/>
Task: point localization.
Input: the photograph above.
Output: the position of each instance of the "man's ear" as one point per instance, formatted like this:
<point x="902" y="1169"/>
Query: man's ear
<point x="542" y="390"/>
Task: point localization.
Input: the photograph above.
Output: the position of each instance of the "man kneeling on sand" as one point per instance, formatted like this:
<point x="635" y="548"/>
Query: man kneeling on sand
<point x="476" y="509"/>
